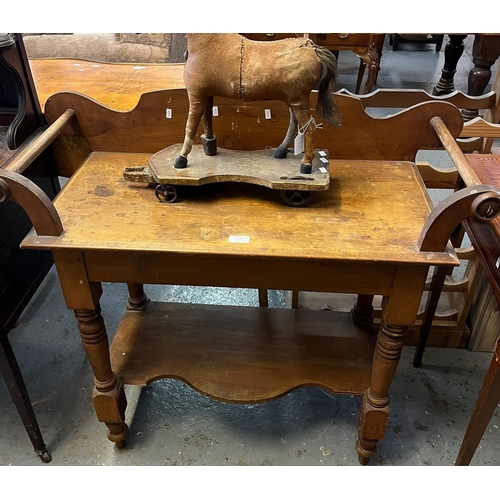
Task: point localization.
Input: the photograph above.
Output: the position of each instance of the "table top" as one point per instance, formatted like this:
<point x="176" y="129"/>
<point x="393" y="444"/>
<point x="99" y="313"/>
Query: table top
<point x="373" y="211"/>
<point x="116" y="85"/>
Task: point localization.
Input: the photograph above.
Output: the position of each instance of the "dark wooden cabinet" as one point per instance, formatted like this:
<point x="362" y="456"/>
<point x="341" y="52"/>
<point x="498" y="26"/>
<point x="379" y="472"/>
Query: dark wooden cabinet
<point x="21" y="271"/>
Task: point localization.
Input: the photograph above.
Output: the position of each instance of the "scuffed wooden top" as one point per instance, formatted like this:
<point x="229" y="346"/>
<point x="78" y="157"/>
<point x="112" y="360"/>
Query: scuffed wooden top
<point x="373" y="211"/>
<point x="116" y="85"/>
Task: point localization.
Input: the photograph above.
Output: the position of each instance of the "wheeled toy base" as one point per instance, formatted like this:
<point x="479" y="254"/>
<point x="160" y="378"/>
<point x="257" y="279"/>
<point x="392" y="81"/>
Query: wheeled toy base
<point x="252" y="167"/>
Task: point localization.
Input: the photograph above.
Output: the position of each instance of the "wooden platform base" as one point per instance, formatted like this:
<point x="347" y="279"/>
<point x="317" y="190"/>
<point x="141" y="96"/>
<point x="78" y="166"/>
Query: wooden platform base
<point x="243" y="354"/>
<point x="253" y="167"/>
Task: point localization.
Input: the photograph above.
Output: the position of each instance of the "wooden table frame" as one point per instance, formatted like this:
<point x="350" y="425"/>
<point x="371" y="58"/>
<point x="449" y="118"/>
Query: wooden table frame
<point x="358" y="237"/>
<point x="82" y="268"/>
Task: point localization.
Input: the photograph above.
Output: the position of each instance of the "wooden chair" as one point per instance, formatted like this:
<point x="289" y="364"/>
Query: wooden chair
<point x="448" y="327"/>
<point x="480" y="133"/>
<point x="486" y="240"/>
<point x="21" y="271"/>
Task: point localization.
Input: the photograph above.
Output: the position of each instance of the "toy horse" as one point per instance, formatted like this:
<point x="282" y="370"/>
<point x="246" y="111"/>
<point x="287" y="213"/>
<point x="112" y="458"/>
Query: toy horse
<point x="230" y="65"/>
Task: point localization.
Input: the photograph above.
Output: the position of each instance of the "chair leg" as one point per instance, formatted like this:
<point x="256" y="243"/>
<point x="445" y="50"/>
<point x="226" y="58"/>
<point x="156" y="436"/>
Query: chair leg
<point x="11" y="373"/>
<point x="362" y="312"/>
<point x="437" y="283"/>
<point x="486" y="404"/>
<point x="263" y="301"/>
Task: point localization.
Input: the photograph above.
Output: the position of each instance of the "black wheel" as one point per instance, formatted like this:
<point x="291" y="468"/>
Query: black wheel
<point x="296" y="198"/>
<point x="166" y="193"/>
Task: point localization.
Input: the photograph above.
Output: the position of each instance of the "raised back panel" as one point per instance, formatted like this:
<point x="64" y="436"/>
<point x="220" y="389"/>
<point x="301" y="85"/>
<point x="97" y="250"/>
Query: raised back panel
<point x="159" y="120"/>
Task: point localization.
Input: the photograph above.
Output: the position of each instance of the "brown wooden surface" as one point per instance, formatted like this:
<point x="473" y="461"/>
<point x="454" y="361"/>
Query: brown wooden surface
<point x="367" y="202"/>
<point x="115" y="85"/>
<point x="485" y="235"/>
<point x="253" y="167"/>
<point x="404" y="98"/>
<point x="243" y="354"/>
<point x="357" y="237"/>
<point x="360" y="236"/>
<point x="242" y="126"/>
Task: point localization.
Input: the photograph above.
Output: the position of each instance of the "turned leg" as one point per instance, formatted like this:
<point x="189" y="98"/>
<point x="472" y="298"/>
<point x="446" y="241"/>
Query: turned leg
<point x="452" y="53"/>
<point x="485" y="52"/>
<point x="108" y="394"/>
<point x="374" y="414"/>
<point x="137" y="299"/>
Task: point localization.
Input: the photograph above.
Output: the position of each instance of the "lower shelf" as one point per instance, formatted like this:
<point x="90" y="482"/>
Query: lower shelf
<point x="243" y="354"/>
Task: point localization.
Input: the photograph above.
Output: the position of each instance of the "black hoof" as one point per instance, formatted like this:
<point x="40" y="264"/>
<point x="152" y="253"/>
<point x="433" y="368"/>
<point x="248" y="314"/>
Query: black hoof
<point x="209" y="145"/>
<point x="305" y="169"/>
<point x="281" y="153"/>
<point x="181" y="162"/>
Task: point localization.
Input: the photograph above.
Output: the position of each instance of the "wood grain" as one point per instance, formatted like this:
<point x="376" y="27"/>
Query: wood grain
<point x="243" y="354"/>
<point x="115" y="85"/>
<point x="253" y="167"/>
<point x="242" y="126"/>
<point x="363" y="217"/>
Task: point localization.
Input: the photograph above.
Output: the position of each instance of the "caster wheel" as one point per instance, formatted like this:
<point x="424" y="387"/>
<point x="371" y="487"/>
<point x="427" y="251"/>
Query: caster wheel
<point x="296" y="198"/>
<point x="45" y="456"/>
<point x="166" y="193"/>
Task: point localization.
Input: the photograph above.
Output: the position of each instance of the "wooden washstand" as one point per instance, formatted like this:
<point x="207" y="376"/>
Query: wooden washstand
<point x="359" y="237"/>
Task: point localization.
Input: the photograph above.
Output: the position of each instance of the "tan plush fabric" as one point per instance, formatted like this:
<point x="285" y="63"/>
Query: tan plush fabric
<point x="100" y="47"/>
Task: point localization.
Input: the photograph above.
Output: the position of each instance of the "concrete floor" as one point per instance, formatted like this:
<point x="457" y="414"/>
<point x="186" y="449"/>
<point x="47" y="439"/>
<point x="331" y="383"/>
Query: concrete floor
<point x="171" y="424"/>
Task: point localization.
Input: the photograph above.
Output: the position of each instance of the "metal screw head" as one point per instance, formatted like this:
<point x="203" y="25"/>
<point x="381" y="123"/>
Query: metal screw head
<point x="486" y="206"/>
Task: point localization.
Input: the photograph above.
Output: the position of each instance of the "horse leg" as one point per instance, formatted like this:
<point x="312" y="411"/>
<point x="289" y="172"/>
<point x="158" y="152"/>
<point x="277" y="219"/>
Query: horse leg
<point x="282" y="150"/>
<point x="208" y="139"/>
<point x="303" y="117"/>
<point x="196" y="108"/>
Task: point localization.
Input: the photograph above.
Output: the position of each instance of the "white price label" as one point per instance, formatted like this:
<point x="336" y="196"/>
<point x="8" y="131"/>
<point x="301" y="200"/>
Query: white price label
<point x="239" y="239"/>
<point x="267" y="114"/>
<point x="169" y="113"/>
<point x="215" y="110"/>
<point x="298" y="144"/>
<point x="323" y="170"/>
<point x="324" y="160"/>
<point x="321" y="153"/>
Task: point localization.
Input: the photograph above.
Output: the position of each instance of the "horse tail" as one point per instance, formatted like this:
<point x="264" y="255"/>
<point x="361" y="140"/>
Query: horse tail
<point x="326" y="107"/>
